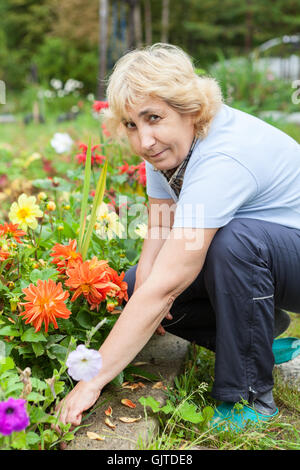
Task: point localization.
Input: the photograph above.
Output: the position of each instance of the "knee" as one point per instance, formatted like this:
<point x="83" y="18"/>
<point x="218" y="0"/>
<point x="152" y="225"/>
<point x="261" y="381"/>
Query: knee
<point x="130" y="279"/>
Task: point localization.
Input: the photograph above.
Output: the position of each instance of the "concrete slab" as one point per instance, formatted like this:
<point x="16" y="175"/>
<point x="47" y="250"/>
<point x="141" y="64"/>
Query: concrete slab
<point x="164" y="357"/>
<point x="291" y="372"/>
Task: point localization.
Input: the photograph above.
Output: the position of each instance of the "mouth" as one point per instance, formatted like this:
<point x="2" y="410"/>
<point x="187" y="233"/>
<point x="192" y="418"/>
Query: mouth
<point x="158" y="154"/>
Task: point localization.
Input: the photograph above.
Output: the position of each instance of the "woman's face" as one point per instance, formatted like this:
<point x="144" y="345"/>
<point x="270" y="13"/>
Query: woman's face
<point x="158" y="133"/>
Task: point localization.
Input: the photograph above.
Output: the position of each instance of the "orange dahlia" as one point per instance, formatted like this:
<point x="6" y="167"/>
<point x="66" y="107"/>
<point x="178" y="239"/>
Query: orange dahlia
<point x="91" y="280"/>
<point x="44" y="303"/>
<point x="4" y="255"/>
<point x="65" y="256"/>
<point x="12" y="230"/>
<point x="121" y="294"/>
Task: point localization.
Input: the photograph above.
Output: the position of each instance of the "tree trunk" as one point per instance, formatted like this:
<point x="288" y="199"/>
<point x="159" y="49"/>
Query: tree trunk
<point x="103" y="21"/>
<point x="148" y="22"/>
<point x="249" y="27"/>
<point x="165" y="21"/>
<point x="138" y="24"/>
<point x="131" y="24"/>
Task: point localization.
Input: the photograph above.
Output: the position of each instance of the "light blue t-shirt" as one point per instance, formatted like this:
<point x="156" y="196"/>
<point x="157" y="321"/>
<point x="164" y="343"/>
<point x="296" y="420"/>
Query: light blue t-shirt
<point x="243" y="168"/>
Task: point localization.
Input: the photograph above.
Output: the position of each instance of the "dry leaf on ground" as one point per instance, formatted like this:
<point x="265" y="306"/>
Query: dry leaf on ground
<point x="128" y="403"/>
<point x="133" y="386"/>
<point x="159" y="385"/>
<point x="95" y="436"/>
<point x="109" y="423"/>
<point x="108" y="412"/>
<point x="127" y="419"/>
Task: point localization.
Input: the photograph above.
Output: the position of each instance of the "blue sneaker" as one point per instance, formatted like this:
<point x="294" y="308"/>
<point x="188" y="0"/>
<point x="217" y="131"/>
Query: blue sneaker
<point x="235" y="417"/>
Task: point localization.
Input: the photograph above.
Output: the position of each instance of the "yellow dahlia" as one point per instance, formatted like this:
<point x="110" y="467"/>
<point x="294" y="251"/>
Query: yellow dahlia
<point x="24" y="212"/>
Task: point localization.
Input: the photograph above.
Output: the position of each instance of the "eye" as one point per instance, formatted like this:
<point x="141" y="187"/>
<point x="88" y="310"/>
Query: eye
<point x="129" y="125"/>
<point x="154" y="117"/>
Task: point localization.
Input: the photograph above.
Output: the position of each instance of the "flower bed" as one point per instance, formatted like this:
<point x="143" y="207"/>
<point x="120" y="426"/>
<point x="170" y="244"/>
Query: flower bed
<point x="64" y="249"/>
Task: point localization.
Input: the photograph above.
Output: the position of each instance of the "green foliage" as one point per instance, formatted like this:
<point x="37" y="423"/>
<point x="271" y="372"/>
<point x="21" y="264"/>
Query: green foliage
<point x="186" y="410"/>
<point x="41" y="397"/>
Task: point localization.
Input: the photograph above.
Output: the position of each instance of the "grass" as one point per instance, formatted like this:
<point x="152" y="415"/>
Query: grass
<point x="194" y="385"/>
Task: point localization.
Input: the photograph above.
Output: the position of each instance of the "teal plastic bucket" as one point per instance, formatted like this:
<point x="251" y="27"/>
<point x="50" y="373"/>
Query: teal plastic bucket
<point x="285" y="349"/>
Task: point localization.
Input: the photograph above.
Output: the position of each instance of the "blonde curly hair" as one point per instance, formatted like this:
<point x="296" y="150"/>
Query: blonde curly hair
<point x="162" y="71"/>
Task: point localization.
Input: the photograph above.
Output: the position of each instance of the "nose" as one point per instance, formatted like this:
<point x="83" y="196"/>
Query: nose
<point x="147" y="139"/>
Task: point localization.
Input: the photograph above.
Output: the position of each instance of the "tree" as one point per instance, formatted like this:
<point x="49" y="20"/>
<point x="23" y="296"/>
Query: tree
<point x="165" y="21"/>
<point x="103" y="17"/>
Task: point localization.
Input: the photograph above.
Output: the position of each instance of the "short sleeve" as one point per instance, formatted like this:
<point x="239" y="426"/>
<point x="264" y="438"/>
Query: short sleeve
<point x="214" y="189"/>
<point x="155" y="185"/>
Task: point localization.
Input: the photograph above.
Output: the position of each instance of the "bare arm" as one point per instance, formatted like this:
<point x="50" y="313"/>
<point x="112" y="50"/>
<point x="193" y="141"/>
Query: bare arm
<point x="160" y="222"/>
<point x="175" y="268"/>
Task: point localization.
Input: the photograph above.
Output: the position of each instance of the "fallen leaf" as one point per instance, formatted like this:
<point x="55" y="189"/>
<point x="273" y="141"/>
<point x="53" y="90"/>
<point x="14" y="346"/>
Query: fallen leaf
<point x="128" y="403"/>
<point x="124" y="384"/>
<point x="133" y="386"/>
<point x="159" y="385"/>
<point x="140" y="363"/>
<point x="141" y="384"/>
<point x="127" y="419"/>
<point x="108" y="412"/>
<point x="109" y="423"/>
<point x="94" y="436"/>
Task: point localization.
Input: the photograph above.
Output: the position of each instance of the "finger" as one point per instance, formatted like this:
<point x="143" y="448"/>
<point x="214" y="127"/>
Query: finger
<point x="160" y="330"/>
<point x="169" y="316"/>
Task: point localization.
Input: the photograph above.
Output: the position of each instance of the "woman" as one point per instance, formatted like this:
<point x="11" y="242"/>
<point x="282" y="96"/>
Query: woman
<point x="222" y="256"/>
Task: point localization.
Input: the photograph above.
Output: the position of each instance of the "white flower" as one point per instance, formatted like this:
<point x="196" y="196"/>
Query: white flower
<point x="49" y="94"/>
<point x="83" y="363"/>
<point x="56" y="83"/>
<point x="72" y="85"/>
<point x="61" y="142"/>
<point x="108" y="224"/>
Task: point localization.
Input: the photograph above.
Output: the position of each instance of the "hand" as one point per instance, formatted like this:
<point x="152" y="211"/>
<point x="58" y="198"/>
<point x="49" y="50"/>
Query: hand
<point x="81" y="398"/>
<point x="160" y="329"/>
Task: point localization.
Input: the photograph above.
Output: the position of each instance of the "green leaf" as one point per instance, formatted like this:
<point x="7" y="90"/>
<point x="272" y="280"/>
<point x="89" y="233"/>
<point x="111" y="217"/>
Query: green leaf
<point x="37" y="415"/>
<point x="38" y="349"/>
<point x="97" y="201"/>
<point x="43" y="275"/>
<point x="207" y="413"/>
<point x="84" y="319"/>
<point x="68" y="437"/>
<point x="168" y="408"/>
<point x="33" y="337"/>
<point x="119" y="379"/>
<point x="57" y="351"/>
<point x="35" y="397"/>
<point x="188" y="412"/>
<point x="6" y="364"/>
<point x="14" y="387"/>
<point x="9" y="331"/>
<point x="85" y="195"/>
<point x="38" y="384"/>
<point x="32" y="438"/>
<point x="19" y="440"/>
<point x="150" y="401"/>
<point x="131" y="371"/>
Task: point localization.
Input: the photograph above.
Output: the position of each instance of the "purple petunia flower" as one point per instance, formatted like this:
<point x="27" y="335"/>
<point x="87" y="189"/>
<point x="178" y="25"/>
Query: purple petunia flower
<point x="13" y="416"/>
<point x="84" y="364"/>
